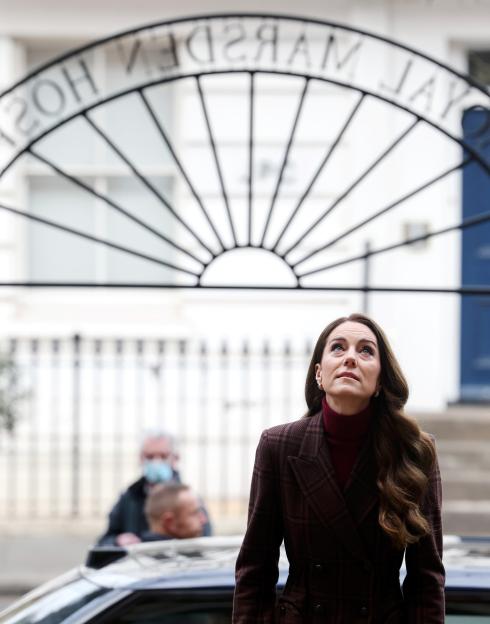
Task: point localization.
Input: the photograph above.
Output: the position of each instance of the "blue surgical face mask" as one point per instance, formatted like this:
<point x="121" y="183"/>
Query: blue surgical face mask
<point x="157" y="471"/>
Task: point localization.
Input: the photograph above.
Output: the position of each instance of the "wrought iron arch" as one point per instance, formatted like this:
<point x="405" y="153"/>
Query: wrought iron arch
<point x="316" y="55"/>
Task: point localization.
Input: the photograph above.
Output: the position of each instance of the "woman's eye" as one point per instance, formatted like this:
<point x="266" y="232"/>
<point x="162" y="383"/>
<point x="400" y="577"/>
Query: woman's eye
<point x="367" y="349"/>
<point x="336" y="347"/>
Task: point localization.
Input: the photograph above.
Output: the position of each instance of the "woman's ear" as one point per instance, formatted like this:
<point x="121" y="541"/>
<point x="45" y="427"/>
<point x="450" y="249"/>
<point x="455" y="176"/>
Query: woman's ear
<point x="318" y="376"/>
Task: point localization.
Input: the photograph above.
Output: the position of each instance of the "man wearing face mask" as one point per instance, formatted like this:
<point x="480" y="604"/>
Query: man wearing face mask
<point x="127" y="521"/>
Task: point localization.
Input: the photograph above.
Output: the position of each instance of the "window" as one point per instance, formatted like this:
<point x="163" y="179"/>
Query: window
<point x="153" y="607"/>
<point x="468" y="607"/>
<point x="77" y="179"/>
<point x="479" y="65"/>
<point x="55" y="606"/>
<point x="468" y="619"/>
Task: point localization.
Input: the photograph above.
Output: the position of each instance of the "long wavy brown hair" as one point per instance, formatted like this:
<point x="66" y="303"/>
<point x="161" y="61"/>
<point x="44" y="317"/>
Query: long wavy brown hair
<point x="404" y="454"/>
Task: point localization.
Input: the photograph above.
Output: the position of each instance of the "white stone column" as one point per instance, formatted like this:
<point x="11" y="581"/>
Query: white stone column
<point x="12" y="239"/>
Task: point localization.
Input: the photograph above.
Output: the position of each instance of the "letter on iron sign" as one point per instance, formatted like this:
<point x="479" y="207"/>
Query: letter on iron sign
<point x="425" y="90"/>
<point x="397" y="90"/>
<point x="269" y="39"/>
<point x="332" y="45"/>
<point x="454" y="99"/>
<point x="48" y="97"/>
<point x="137" y="51"/>
<point x="22" y="117"/>
<point x="169" y="53"/>
<point x="240" y="37"/>
<point x="208" y="42"/>
<point x="85" y="77"/>
<point x="300" y="47"/>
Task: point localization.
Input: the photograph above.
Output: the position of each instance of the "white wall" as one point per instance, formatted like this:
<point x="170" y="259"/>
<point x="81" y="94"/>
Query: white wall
<point x="424" y="329"/>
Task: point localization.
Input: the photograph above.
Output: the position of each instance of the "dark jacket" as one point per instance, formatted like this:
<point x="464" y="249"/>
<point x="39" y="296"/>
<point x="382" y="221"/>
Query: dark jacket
<point x="128" y="514"/>
<point x="343" y="567"/>
<point x="150" y="536"/>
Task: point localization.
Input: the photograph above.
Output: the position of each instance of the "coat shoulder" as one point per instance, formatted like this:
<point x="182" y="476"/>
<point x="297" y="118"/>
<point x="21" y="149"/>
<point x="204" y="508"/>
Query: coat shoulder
<point x="136" y="490"/>
<point x="286" y="437"/>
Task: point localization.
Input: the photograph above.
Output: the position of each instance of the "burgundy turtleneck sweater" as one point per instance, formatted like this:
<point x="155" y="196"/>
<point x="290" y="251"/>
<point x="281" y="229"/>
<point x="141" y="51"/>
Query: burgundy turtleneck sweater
<point x="345" y="436"/>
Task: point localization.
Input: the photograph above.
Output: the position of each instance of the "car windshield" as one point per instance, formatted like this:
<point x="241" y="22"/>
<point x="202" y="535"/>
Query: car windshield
<point x="53" y="604"/>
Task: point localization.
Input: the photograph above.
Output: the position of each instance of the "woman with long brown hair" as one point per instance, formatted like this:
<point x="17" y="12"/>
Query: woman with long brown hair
<point x="351" y="488"/>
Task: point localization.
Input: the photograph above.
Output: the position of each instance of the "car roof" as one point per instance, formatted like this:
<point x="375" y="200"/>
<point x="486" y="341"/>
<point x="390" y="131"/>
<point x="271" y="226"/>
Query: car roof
<point x="200" y="562"/>
<point x="467" y="562"/>
<point x="209" y="562"/>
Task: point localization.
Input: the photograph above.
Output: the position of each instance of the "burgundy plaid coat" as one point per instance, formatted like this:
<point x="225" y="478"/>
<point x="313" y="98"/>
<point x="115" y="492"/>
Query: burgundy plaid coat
<point x="343" y="567"/>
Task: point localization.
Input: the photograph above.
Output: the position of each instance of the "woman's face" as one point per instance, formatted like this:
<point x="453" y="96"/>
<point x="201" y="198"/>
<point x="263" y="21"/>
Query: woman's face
<point x="350" y="367"/>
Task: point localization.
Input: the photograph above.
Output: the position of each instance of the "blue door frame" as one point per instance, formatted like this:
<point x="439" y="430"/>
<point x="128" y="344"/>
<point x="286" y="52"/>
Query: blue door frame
<point x="475" y="311"/>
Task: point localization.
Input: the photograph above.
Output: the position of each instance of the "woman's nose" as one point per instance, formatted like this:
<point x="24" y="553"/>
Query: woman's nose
<point x="350" y="359"/>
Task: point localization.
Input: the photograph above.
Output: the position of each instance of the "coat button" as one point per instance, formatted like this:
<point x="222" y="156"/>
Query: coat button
<point x="363" y="611"/>
<point x="318" y="608"/>
<point x="318" y="567"/>
<point x="367" y="566"/>
<point x="282" y="608"/>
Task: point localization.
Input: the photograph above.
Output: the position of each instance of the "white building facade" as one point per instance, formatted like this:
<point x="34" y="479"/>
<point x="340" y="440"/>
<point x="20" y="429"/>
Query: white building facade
<point x="379" y="102"/>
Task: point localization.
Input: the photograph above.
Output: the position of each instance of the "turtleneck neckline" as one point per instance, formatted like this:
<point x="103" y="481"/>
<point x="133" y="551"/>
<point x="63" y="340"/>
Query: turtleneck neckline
<point x="345" y="427"/>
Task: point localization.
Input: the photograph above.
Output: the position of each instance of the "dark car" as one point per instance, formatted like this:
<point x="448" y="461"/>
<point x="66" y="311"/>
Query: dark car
<point x="179" y="581"/>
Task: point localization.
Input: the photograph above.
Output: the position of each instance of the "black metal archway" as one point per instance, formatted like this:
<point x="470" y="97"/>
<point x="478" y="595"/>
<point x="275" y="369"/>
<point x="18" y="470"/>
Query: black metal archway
<point x="314" y="58"/>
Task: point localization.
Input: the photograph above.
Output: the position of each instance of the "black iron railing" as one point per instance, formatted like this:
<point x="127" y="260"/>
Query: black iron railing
<point x="87" y="402"/>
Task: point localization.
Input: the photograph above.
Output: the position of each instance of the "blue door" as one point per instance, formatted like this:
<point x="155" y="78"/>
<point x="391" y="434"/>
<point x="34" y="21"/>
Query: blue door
<point x="475" y="311"/>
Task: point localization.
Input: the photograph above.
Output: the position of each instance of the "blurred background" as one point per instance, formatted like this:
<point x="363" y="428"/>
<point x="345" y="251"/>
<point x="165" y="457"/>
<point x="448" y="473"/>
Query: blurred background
<point x="85" y="371"/>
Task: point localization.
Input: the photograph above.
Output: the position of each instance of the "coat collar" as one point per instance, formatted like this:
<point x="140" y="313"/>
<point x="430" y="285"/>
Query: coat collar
<point x="342" y="512"/>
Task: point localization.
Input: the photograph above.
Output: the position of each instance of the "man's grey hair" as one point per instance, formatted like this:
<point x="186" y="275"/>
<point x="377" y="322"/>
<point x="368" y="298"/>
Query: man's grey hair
<point x="158" y="434"/>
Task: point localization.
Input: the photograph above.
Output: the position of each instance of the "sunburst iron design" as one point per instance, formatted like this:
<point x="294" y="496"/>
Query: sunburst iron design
<point x="287" y="146"/>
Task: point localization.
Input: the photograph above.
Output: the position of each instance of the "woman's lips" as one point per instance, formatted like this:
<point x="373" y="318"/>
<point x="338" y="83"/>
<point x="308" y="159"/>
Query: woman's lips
<point x="349" y="376"/>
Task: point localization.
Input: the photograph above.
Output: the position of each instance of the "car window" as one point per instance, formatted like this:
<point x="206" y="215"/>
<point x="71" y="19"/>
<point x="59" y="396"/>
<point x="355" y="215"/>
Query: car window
<point x="468" y="619"/>
<point x="209" y="616"/>
<point x="468" y="609"/>
<point x="150" y="607"/>
<point x="53" y="607"/>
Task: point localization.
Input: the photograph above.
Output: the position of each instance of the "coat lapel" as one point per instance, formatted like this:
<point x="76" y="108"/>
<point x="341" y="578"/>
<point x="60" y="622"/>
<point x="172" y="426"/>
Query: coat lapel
<point x="314" y="473"/>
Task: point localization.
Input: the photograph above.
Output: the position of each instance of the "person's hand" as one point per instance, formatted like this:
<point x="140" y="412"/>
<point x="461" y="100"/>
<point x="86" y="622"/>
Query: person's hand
<point x="126" y="539"/>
